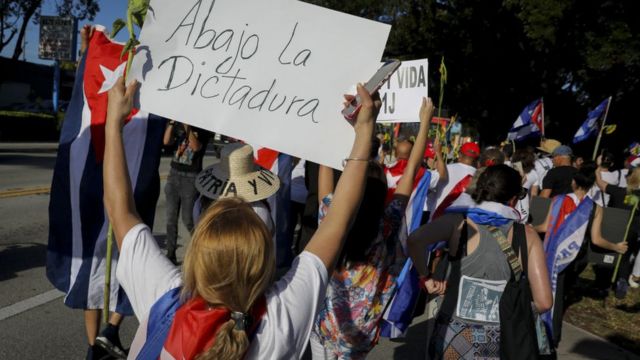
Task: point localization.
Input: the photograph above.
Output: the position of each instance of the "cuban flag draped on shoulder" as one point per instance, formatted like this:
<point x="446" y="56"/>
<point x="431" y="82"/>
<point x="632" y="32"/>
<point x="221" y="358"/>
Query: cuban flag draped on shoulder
<point x="280" y="204"/>
<point x="529" y="122"/>
<point x="590" y="126"/>
<point x="76" y="252"/>
<point x="398" y="315"/>
<point x="564" y="239"/>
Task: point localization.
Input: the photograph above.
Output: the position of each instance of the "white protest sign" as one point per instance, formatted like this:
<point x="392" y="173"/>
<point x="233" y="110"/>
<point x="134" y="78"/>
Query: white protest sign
<point x="402" y="94"/>
<point x="269" y="72"/>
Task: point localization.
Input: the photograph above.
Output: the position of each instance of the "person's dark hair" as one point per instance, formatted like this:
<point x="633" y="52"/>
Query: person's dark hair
<point x="491" y="156"/>
<point x="525" y="156"/>
<point x="499" y="183"/>
<point x="366" y="225"/>
<point x="585" y="177"/>
<point x="375" y="145"/>
<point x="607" y="160"/>
<point x="507" y="150"/>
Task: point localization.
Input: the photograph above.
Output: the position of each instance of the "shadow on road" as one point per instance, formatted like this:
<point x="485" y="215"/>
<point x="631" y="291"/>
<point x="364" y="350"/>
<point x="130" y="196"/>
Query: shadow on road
<point x="38" y="161"/>
<point x="16" y="258"/>
<point x="599" y="350"/>
<point x="414" y="343"/>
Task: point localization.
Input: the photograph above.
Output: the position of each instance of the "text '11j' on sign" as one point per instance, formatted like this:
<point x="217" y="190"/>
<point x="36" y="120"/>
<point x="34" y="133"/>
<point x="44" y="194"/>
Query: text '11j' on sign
<point x="269" y="72"/>
<point x="402" y="95"/>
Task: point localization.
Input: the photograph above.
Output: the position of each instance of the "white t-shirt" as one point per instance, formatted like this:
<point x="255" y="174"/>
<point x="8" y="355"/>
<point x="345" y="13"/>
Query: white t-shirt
<point x="455" y="172"/>
<point x="292" y="302"/>
<point x="522" y="206"/>
<point x="616" y="178"/>
<point x="541" y="166"/>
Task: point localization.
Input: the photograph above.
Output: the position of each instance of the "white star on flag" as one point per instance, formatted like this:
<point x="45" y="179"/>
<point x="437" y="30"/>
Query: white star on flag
<point x="110" y="77"/>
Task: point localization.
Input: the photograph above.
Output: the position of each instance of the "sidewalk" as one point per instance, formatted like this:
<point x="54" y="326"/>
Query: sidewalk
<point x="28" y="147"/>
<point x="576" y="344"/>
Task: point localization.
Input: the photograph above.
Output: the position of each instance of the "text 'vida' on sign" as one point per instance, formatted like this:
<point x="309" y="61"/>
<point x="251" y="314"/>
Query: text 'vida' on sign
<point x="223" y="80"/>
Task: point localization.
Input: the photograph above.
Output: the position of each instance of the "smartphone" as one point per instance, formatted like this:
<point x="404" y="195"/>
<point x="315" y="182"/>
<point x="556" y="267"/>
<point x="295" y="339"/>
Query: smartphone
<point x="374" y="84"/>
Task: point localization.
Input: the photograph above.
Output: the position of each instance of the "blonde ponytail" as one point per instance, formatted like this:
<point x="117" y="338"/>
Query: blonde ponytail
<point x="230" y="263"/>
<point x="230" y="344"/>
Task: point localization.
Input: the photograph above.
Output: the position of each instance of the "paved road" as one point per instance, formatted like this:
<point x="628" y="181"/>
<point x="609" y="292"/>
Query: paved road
<point x="34" y="323"/>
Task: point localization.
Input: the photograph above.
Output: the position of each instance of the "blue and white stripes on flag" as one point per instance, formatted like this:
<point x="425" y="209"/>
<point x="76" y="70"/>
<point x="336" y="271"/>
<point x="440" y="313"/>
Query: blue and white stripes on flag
<point x="529" y="122"/>
<point x="280" y="205"/>
<point x="398" y="315"/>
<point x="76" y="252"/>
<point x="590" y="126"/>
<point x="563" y="242"/>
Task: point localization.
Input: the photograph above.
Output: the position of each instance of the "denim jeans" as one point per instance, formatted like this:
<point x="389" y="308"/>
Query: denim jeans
<point x="181" y="195"/>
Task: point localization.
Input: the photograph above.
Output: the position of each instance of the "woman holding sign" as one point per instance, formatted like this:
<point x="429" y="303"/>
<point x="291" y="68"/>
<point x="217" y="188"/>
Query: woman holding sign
<point x="365" y="278"/>
<point x="223" y="304"/>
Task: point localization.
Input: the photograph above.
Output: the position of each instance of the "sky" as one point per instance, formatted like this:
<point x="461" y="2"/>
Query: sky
<point x="109" y="11"/>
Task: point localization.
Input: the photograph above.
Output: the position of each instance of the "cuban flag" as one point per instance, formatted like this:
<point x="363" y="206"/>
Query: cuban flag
<point x="529" y="123"/>
<point x="398" y="315"/>
<point x="590" y="126"/>
<point x="280" y="204"/>
<point x="76" y="253"/>
<point x="563" y="240"/>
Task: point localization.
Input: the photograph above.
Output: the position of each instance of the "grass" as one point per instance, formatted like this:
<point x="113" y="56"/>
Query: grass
<point x="617" y="320"/>
<point x="25" y="114"/>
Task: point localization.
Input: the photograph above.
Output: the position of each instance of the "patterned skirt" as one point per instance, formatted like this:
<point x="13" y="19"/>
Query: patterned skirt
<point x="456" y="339"/>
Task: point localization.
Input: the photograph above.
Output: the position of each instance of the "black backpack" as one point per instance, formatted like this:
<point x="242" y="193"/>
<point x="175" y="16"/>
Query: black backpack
<point x="518" y="338"/>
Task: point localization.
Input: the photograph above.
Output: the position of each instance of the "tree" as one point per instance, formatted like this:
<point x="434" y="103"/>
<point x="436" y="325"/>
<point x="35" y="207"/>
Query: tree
<point x="26" y="10"/>
<point x="503" y="54"/>
<point x="7" y="23"/>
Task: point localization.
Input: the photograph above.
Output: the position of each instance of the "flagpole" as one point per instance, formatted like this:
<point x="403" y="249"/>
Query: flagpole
<point x="542" y="122"/>
<point x="604" y="121"/>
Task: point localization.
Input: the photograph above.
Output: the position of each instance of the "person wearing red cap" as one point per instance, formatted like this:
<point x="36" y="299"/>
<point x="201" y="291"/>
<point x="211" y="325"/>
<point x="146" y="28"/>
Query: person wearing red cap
<point x="459" y="176"/>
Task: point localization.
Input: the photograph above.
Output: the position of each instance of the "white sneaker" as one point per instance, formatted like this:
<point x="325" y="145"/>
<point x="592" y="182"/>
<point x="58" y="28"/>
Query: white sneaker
<point x="633" y="283"/>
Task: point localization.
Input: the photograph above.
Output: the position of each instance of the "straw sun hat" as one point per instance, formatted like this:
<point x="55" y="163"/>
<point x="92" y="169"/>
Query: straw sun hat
<point x="237" y="175"/>
<point x="548" y="145"/>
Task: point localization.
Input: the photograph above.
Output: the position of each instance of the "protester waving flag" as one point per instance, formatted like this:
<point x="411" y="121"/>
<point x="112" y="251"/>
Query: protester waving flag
<point x="529" y="123"/>
<point x="281" y="164"/>
<point x="398" y="315"/>
<point x="564" y="239"/>
<point x="77" y="221"/>
<point x="590" y="126"/>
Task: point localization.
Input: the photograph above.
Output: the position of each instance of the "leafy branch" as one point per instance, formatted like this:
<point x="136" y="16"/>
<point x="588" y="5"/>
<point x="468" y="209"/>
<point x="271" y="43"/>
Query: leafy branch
<point x="136" y="13"/>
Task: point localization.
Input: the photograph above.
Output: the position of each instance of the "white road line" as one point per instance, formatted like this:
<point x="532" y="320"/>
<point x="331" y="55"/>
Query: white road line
<point x="30" y="303"/>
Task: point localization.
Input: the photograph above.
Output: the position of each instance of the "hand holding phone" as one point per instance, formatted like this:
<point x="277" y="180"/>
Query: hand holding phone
<point x="374" y="84"/>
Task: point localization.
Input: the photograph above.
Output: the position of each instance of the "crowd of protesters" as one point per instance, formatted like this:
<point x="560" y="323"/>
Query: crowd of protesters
<point x="474" y="240"/>
<point x="228" y="300"/>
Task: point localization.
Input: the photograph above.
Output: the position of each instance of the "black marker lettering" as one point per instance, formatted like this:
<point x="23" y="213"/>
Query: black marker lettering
<point x="216" y="78"/>
<point x="182" y="24"/>
<point x="231" y="188"/>
<point x="295" y="100"/>
<point x="313" y="103"/>
<point x="175" y="59"/>
<point x="233" y="80"/>
<point x="254" y="185"/>
<point x="266" y="93"/>
<point x="242" y="98"/>
<point x="202" y="31"/>
<point x="284" y="98"/>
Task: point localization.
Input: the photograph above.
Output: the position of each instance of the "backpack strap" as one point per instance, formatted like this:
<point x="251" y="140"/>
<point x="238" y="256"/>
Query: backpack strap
<point x="455" y="263"/>
<point x="159" y="323"/>
<point x="507" y="249"/>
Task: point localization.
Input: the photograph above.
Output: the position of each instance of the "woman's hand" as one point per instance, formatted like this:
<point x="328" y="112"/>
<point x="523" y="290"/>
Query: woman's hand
<point x="120" y="103"/>
<point x="85" y="35"/>
<point x="621" y="248"/>
<point x="426" y="110"/>
<point x="435" y="287"/>
<point x="369" y="106"/>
